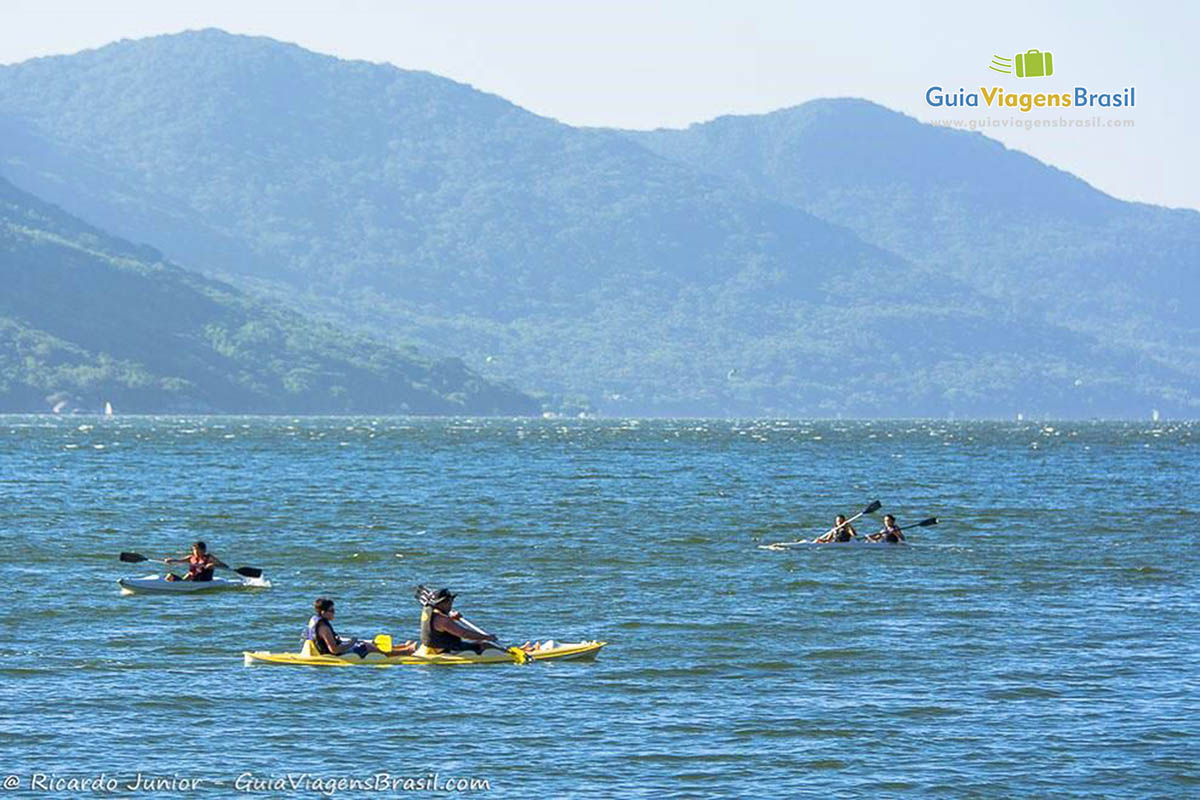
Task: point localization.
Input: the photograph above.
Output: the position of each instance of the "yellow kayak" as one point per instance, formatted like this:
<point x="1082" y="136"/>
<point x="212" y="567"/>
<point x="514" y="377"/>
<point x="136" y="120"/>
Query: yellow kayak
<point x="563" y="651"/>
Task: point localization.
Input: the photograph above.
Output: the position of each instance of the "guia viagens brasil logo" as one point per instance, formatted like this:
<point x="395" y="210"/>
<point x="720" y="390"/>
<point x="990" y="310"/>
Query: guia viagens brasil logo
<point x="1029" y="64"/>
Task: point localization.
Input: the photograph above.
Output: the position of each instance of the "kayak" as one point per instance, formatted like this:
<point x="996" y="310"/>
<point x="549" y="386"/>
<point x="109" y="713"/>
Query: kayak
<point x="157" y="584"/>
<point x="851" y="543"/>
<point x="308" y="657"/>
<point x="854" y="543"/>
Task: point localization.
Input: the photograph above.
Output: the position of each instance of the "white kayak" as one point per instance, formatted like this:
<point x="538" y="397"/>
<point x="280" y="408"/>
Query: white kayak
<point x="851" y="543"/>
<point x="158" y="584"/>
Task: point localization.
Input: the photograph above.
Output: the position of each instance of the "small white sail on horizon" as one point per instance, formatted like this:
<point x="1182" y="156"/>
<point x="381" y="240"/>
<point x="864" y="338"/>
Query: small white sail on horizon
<point x="108" y="412"/>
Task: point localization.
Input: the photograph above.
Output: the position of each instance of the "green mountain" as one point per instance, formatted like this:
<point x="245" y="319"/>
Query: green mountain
<point x="601" y="267"/>
<point x="86" y="319"/>
<point x="1016" y="230"/>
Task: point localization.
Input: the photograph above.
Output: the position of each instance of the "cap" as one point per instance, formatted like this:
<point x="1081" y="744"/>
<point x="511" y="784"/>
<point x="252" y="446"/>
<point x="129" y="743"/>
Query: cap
<point x="441" y="595"/>
<point x="431" y="597"/>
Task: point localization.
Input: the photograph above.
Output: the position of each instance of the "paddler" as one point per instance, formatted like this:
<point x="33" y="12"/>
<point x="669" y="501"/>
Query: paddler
<point x="842" y="531"/>
<point x="890" y="533"/>
<point x="442" y="629"/>
<point x="201" y="564"/>
<point x="445" y="630"/>
<point x="320" y="632"/>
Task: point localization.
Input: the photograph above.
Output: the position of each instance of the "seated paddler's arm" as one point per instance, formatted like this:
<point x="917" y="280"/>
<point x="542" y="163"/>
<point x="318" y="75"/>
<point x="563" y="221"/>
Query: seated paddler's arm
<point x="445" y="624"/>
<point x="325" y="634"/>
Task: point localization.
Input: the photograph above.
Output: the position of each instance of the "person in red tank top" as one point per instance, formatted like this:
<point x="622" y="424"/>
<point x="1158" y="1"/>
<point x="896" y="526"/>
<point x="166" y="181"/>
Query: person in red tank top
<point x="201" y="564"/>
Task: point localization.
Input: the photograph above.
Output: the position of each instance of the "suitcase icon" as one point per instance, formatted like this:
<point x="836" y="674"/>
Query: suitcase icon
<point x="1034" y="64"/>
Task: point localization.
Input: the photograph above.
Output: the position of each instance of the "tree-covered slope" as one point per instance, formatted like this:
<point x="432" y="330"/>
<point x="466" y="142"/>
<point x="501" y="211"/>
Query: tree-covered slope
<point x="614" y="269"/>
<point x="351" y="175"/>
<point x="1019" y="231"/>
<point x="87" y="319"/>
<point x="573" y="261"/>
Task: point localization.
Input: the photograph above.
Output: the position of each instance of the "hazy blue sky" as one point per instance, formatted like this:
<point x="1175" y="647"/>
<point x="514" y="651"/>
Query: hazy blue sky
<point x="646" y="65"/>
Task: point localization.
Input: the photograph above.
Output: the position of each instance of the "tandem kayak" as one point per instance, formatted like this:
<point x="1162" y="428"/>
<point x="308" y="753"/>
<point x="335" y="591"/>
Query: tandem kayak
<point x="851" y="543"/>
<point x="561" y="651"/>
<point x="157" y="584"/>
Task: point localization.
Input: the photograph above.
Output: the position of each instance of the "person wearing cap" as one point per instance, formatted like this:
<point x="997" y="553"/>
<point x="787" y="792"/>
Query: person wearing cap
<point x="442" y="629"/>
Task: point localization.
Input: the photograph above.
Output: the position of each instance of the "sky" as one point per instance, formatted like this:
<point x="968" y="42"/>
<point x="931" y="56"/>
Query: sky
<point x="651" y="64"/>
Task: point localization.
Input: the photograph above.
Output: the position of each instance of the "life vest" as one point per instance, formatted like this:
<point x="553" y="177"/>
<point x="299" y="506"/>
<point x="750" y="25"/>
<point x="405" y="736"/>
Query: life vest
<point x="310" y="633"/>
<point x="435" y="639"/>
<point x="200" y="569"/>
<point x="891" y="536"/>
<point x="843" y="533"/>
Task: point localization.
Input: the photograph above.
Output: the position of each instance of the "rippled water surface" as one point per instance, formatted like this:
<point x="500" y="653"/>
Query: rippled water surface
<point x="1041" y="641"/>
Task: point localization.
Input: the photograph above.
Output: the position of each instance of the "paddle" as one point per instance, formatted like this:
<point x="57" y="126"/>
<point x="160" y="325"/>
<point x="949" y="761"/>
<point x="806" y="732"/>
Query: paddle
<point x="519" y="656"/>
<point x="870" y="509"/>
<point x="137" y="558"/>
<point x="385" y="644"/>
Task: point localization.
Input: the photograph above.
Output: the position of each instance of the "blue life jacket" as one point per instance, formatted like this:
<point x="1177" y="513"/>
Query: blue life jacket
<point x="310" y="633"/>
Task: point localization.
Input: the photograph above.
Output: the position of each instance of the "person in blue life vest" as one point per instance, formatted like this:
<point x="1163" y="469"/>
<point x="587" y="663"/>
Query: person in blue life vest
<point x="320" y="632"/>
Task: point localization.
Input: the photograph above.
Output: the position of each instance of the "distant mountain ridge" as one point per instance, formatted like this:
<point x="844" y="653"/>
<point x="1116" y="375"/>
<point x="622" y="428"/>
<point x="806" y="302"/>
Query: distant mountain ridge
<point x="1012" y="227"/>
<point x="87" y="319"/>
<point x="798" y="263"/>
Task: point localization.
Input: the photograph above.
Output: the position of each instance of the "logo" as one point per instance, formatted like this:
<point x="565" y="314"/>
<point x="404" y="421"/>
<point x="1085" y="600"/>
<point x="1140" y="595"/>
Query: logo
<point x="1030" y="64"/>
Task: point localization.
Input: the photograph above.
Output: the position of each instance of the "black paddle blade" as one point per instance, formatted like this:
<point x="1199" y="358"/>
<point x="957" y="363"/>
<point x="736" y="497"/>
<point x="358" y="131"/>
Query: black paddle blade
<point x="249" y="572"/>
<point x="871" y="509"/>
<point x="133" y="558"/>
<point x="925" y="523"/>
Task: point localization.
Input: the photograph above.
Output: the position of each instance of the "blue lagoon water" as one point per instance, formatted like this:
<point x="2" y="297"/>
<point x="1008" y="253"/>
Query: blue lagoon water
<point x="1041" y="641"/>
